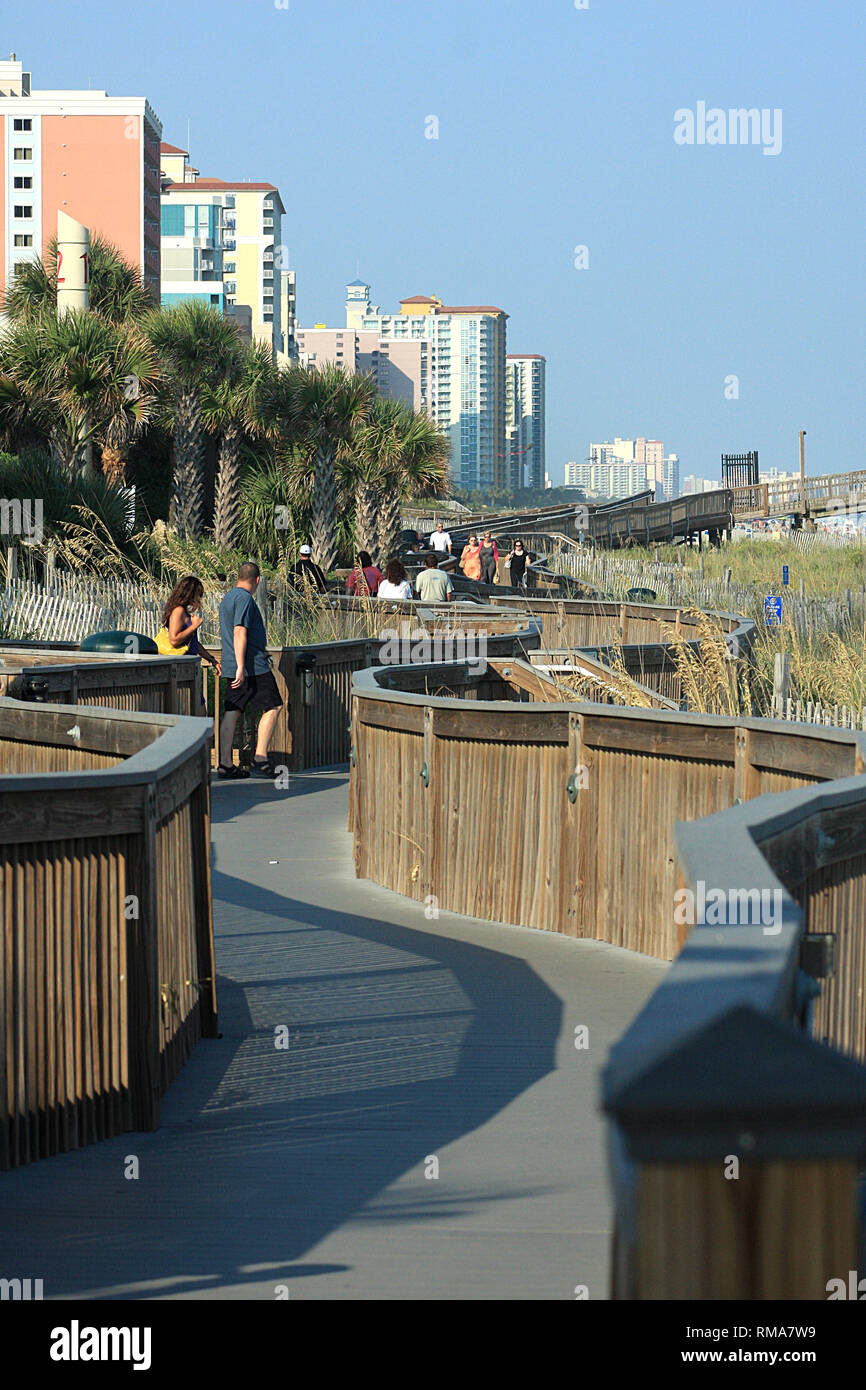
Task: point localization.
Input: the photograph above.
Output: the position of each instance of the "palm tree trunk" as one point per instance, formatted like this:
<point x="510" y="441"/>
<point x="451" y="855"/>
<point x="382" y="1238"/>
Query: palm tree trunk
<point x="323" y="530"/>
<point x="227" y="508"/>
<point x="367" y="504"/>
<point x="390" y="518"/>
<point x="187" y="492"/>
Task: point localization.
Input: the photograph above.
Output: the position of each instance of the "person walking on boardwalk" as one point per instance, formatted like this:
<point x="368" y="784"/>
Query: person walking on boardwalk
<point x="433" y="585"/>
<point x="365" y="578"/>
<point x="489" y="559"/>
<point x="470" y="558"/>
<point x="518" y="562"/>
<point x="247" y="667"/>
<point x="182" y="618"/>
<point x="440" y="540"/>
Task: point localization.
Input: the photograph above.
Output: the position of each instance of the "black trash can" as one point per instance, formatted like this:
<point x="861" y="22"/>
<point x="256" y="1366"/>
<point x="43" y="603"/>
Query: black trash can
<point x="120" y="643"/>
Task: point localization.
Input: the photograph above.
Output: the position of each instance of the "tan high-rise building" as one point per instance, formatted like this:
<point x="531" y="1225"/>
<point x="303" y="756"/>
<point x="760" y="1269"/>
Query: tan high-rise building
<point x="222" y="243"/>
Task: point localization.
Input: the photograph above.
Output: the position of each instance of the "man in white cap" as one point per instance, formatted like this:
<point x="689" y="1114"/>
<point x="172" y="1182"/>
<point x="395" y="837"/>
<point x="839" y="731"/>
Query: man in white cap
<point x="305" y="574"/>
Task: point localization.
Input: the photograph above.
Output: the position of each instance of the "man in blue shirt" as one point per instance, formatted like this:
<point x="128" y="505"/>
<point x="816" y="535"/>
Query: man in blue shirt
<point x="247" y="667"/>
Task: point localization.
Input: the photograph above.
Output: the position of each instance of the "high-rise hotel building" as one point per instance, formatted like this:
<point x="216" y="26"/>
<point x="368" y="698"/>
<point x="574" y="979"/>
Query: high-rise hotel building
<point x="222" y="243"/>
<point x="524" y="419"/>
<point x="445" y="359"/>
<point x="85" y="153"/>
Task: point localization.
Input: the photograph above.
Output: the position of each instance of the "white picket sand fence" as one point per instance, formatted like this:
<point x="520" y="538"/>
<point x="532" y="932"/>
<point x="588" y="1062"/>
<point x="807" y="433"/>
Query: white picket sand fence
<point x="72" y="606"/>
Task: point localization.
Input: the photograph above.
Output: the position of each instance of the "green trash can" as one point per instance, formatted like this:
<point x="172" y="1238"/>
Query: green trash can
<point x="120" y="643"/>
<point x="642" y="595"/>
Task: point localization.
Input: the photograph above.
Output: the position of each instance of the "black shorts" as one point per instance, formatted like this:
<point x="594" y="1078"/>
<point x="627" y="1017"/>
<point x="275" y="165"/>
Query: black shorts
<point x="257" y="692"/>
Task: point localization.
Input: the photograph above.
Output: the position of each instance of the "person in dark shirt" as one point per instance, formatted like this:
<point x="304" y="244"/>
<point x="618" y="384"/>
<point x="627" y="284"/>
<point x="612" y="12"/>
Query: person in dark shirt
<point x="247" y="667"/>
<point x="517" y="563"/>
<point x="305" y="574"/>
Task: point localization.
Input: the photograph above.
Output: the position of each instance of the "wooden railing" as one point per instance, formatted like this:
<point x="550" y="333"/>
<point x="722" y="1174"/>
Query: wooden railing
<point x="823" y="494"/>
<point x="315" y="682"/>
<point x="736" y="1136"/>
<point x="738" y="1096"/>
<point x="149" y="684"/>
<point x="107" y="974"/>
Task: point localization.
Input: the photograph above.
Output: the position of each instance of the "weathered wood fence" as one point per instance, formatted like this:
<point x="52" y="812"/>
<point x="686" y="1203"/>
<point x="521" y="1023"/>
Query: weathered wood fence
<point x="149" y="684"/>
<point x="720" y="1065"/>
<point x="107" y="975"/>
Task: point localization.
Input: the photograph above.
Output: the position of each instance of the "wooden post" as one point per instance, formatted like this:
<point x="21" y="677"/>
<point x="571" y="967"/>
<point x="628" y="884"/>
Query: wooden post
<point x="781" y="682"/>
<point x="740" y="1193"/>
<point x="143" y="975"/>
<point x="747" y="780"/>
<point x="11" y="564"/>
<point x="803" y="474"/>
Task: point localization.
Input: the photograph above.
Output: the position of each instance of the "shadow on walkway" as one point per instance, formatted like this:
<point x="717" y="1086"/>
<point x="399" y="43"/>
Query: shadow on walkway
<point x="400" y="1041"/>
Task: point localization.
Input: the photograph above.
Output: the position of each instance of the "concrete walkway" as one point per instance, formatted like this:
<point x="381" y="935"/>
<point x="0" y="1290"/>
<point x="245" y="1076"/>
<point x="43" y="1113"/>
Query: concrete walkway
<point x="413" y="1044"/>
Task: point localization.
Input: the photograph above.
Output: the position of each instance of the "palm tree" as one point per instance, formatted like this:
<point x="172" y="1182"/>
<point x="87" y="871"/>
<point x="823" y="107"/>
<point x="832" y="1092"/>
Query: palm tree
<point x="421" y="468"/>
<point x="235" y="407"/>
<point x="367" y="462"/>
<point x="327" y="405"/>
<point x="69" y="378"/>
<point x="195" y="344"/>
<point x="117" y="290"/>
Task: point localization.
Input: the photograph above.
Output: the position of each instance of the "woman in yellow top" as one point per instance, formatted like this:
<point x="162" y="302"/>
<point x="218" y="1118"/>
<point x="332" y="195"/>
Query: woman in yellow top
<point x="182" y="619"/>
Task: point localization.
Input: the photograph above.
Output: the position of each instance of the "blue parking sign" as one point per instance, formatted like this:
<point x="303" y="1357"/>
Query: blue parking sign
<point x="784" y="574"/>
<point x="773" y="611"/>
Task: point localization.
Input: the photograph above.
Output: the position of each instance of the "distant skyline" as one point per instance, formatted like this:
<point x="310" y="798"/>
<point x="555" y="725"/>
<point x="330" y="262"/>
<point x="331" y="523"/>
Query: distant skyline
<point x="539" y="159"/>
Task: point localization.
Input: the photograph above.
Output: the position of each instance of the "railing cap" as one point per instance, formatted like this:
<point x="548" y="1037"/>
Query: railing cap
<point x="747" y="1084"/>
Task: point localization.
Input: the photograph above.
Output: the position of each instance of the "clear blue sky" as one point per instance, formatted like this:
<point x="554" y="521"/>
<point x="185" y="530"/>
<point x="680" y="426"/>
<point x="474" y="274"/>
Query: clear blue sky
<point x="555" y="130"/>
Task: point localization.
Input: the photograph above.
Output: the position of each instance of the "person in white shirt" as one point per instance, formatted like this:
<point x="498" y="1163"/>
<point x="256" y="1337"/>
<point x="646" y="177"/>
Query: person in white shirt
<point x="440" y="540"/>
<point x="396" y="582"/>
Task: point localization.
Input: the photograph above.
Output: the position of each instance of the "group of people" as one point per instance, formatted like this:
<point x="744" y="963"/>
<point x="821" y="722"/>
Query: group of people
<point x="243" y="660"/>
<point x="432" y="585"/>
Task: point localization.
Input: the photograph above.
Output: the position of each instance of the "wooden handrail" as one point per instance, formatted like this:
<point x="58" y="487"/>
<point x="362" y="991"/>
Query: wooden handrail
<point x="610" y="844"/>
<point x="105" y="862"/>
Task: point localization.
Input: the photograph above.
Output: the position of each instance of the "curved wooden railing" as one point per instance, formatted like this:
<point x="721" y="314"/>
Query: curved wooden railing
<point x="107" y="973"/>
<point x="61" y="674"/>
<point x="736" y="1133"/>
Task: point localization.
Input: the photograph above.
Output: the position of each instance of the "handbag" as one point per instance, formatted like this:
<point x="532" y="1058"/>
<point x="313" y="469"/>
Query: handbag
<point x="165" y="647"/>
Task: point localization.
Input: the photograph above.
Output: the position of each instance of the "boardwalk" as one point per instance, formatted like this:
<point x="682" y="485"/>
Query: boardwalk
<point x="305" y="1167"/>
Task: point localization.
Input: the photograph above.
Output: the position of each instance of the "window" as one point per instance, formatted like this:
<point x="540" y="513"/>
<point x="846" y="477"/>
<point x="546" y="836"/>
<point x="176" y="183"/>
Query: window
<point x="22" y="123"/>
<point x="22" y="152"/>
<point x="23" y="239"/>
<point x="230" y="267"/>
<point x="22" y="181"/>
<point x="23" y="210"/>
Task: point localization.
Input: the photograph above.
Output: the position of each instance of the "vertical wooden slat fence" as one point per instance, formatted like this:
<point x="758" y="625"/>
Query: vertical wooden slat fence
<point x="106" y="970"/>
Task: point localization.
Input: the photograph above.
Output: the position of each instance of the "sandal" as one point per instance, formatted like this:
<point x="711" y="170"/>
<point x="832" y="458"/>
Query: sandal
<point x="265" y="768"/>
<point x="231" y="774"/>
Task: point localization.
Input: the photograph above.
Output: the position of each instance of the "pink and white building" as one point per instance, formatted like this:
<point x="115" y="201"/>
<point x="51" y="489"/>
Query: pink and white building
<point x="91" y="155"/>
